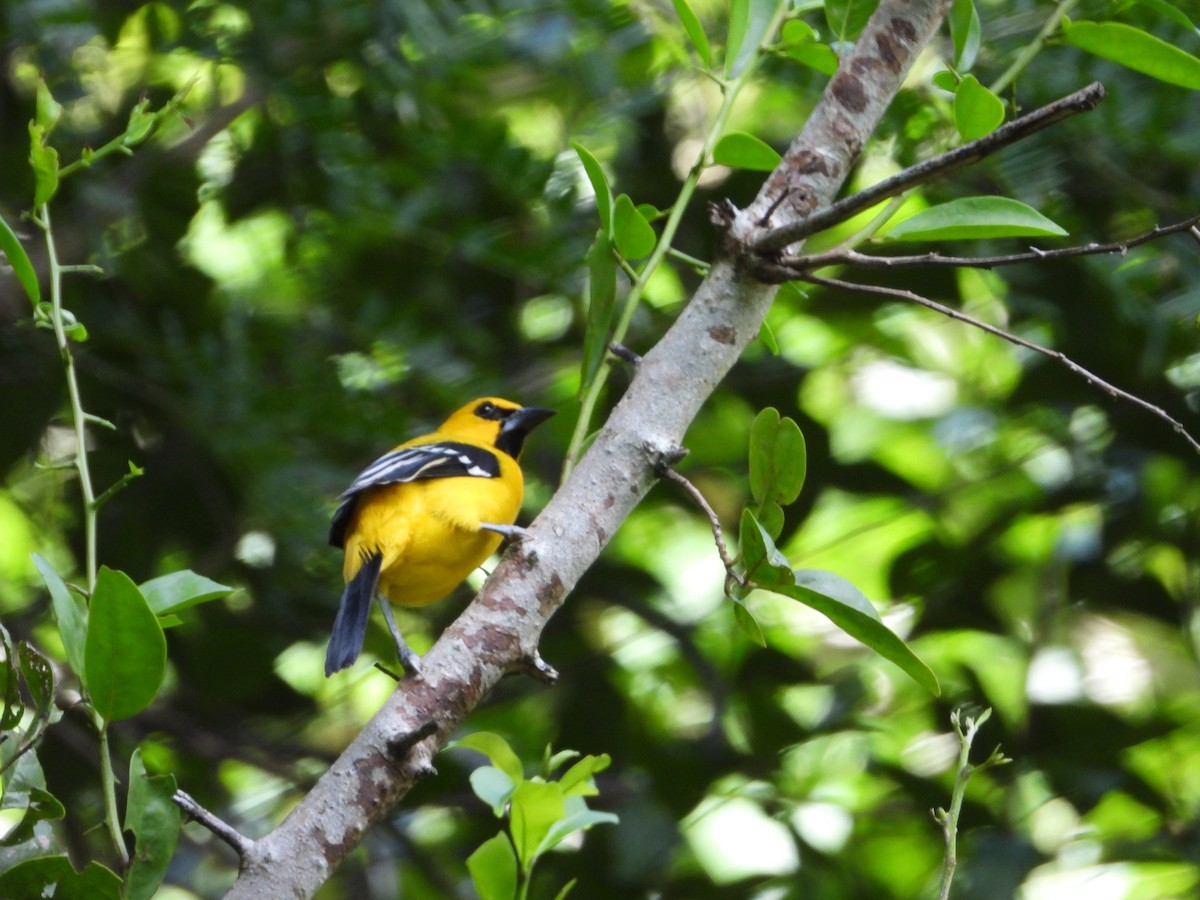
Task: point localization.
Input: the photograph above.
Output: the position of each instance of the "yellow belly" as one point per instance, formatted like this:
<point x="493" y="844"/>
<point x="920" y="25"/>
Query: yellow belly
<point x="428" y="533"/>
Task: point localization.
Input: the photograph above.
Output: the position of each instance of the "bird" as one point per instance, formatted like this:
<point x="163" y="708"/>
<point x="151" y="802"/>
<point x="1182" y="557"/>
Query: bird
<point x="423" y="516"/>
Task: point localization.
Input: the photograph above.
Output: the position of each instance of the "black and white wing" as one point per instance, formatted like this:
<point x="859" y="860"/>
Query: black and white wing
<point x="443" y="459"/>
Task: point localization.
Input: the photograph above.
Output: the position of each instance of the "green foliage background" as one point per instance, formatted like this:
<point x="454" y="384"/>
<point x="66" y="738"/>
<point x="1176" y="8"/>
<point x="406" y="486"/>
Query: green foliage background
<point x="372" y="213"/>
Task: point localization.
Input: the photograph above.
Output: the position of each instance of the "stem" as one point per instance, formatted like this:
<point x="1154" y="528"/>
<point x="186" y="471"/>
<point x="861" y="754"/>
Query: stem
<point x="1033" y="48"/>
<point x="730" y="88"/>
<point x="78" y="416"/>
<point x="949" y="818"/>
<point x="108" y="780"/>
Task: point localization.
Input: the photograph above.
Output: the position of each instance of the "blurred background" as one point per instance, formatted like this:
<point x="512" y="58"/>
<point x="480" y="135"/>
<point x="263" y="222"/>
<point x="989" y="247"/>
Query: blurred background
<point x="370" y="213"/>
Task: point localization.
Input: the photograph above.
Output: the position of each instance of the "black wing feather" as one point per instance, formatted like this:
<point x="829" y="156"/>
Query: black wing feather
<point x="443" y="459"/>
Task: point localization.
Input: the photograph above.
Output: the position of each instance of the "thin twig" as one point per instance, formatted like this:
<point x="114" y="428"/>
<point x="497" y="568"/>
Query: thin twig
<point x="1087" y="375"/>
<point x="1080" y="101"/>
<point x="713" y="521"/>
<point x="850" y="257"/>
<point x="241" y="844"/>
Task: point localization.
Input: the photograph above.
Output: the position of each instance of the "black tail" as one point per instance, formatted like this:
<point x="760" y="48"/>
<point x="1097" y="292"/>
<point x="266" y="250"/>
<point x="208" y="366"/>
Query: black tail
<point x="350" y="626"/>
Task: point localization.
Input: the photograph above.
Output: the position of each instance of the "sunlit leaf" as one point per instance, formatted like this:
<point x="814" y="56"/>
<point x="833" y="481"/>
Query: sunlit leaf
<point x="497" y="750"/>
<point x="632" y="234"/>
<point x="748" y="23"/>
<point x="740" y="150"/>
<point x="975" y="217"/>
<point x="977" y="111"/>
<point x="1135" y="49"/>
<point x="493" y="868"/>
<point x="493" y="787"/>
<point x="578" y="819"/>
<point x="44" y="160"/>
<point x="695" y="31"/>
<point x="577" y="780"/>
<point x="595" y="174"/>
<point x="816" y="56"/>
<point x="865" y="628"/>
<point x="48" y="110"/>
<point x="847" y="18"/>
<point x="535" y="807"/>
<point x="126" y="653"/>
<point x="965" y="32"/>
<point x="747" y="623"/>
<point x="763" y="562"/>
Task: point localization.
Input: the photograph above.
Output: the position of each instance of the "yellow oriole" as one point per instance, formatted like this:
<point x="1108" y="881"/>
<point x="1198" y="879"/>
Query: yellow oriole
<point x="422" y="517"/>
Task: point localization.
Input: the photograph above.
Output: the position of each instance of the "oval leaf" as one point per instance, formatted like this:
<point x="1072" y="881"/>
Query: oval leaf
<point x="125" y="656"/>
<point x="816" y="56"/>
<point x="496" y="749"/>
<point x="10" y="245"/>
<point x="493" y="787"/>
<point x="536" y="806"/>
<point x="748" y="24"/>
<point x="493" y="869"/>
<point x="602" y="296"/>
<point x="632" y="234"/>
<point x="595" y="174"/>
<point x="154" y="819"/>
<point x="71" y="613"/>
<point x="177" y="591"/>
<point x="1135" y="49"/>
<point x="975" y="217"/>
<point x="965" y="32"/>
<point x="977" y="111"/>
<point x="740" y="150"/>
<point x="695" y="31"/>
<point x="868" y="629"/>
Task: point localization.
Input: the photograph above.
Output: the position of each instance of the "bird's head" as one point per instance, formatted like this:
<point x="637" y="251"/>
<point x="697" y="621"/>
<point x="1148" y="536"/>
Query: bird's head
<point x="492" y="420"/>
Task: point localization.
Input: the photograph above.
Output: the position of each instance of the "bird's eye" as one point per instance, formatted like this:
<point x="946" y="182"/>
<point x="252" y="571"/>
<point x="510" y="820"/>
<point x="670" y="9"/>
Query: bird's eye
<point x="489" y="410"/>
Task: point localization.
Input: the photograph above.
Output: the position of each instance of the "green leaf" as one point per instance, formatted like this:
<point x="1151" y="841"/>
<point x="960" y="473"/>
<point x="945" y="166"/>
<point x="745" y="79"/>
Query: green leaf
<point x="497" y="750"/>
<point x="54" y="876"/>
<point x="154" y="819"/>
<point x="864" y="627"/>
<point x="125" y="657"/>
<point x="39" y="681"/>
<point x="695" y="31"/>
<point x="493" y="787"/>
<point x="71" y="612"/>
<point x="965" y="32"/>
<point x="577" y="819"/>
<point x="740" y="150"/>
<point x="141" y="123"/>
<point x="10" y="685"/>
<point x="48" y="110"/>
<point x="847" y="18"/>
<point x="632" y="234"/>
<point x="493" y="869"/>
<point x="975" y="217"/>
<point x="778" y="458"/>
<point x="11" y="246"/>
<point x="945" y="80"/>
<point x="816" y="56"/>
<point x="602" y="298"/>
<point x="42" y="807"/>
<point x="566" y="889"/>
<point x="535" y="807"/>
<point x="552" y="763"/>
<point x="577" y="780"/>
<point x="1172" y="12"/>
<point x="746" y="621"/>
<point x="177" y="591"/>
<point x="1135" y="49"/>
<point x="604" y="197"/>
<point x="763" y="562"/>
<point x="767" y="336"/>
<point x="44" y="160"/>
<point x="748" y="24"/>
<point x="977" y="111"/>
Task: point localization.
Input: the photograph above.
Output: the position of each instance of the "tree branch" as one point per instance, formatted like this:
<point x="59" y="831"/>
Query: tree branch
<point x="783" y="235"/>
<point x="504" y="623"/>
<point x="1086" y="374"/>
<point x="800" y="264"/>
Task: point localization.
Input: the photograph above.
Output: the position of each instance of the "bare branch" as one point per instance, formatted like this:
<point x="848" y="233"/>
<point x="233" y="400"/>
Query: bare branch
<point x="1080" y="101"/>
<point x="801" y="263"/>
<point x="1086" y="374"/>
<point x="241" y="844"/>
<point x="713" y="521"/>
